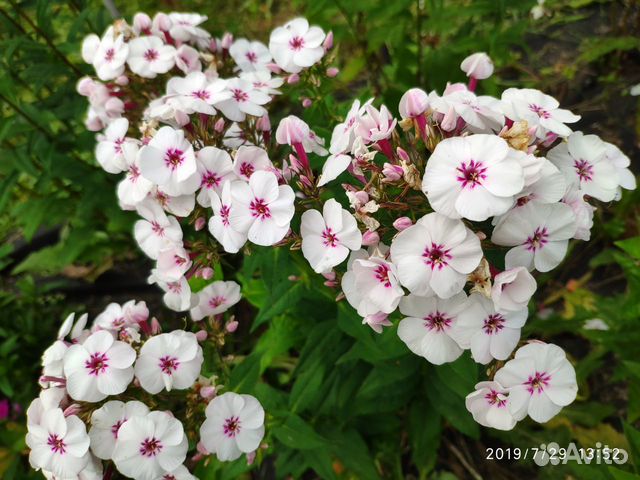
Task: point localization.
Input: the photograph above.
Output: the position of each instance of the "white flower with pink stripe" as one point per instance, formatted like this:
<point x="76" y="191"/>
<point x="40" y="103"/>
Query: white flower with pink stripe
<point x="540" y="381"/>
<point x="169" y="361"/>
<point x="489" y="405"/>
<point x="328" y="237"/>
<point x="149" y="446"/>
<point x="106" y="422"/>
<point x="234" y="425"/>
<point x="295" y="45"/>
<point x="474" y="177"/>
<point x="215" y="168"/>
<point x="99" y="367"/>
<point x="149" y="56"/>
<point x="262" y="208"/>
<point x="220" y="225"/>
<point x="538" y="232"/>
<point x="435" y="255"/>
<point x="216" y="298"/>
<point x="59" y="445"/>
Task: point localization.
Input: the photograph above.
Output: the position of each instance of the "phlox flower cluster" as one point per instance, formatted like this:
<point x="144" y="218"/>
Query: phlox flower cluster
<point x="442" y="215"/>
<point x="196" y="143"/>
<point x="105" y="404"/>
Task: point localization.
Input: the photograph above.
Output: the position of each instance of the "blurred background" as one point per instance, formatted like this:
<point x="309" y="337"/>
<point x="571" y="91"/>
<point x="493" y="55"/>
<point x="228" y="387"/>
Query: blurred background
<point x="66" y="245"/>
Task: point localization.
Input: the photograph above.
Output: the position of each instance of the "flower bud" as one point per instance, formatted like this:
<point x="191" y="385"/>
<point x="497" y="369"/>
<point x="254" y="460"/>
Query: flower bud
<point x="328" y="42"/>
<point x="142" y="22"/>
<point x="392" y="173"/>
<point x="403" y="155"/>
<point x="414" y="102"/>
<point x="200" y="223"/>
<point x="232" y="326"/>
<point x="155" y="326"/>
<point x="227" y="41"/>
<point x="122" y="80"/>
<point x="449" y="121"/>
<point x="370" y="238"/>
<point x="206" y="273"/>
<point x="306" y="102"/>
<point x="219" y="125"/>
<point x="293" y="78"/>
<point x="273" y="68"/>
<point x="72" y="409"/>
<point x="263" y="124"/>
<point x="85" y="86"/>
<point x="201" y="335"/>
<point x="402" y="223"/>
<point x="291" y="130"/>
<point x="208" y="392"/>
<point x="478" y="65"/>
<point x="332" y="72"/>
<point x="162" y="22"/>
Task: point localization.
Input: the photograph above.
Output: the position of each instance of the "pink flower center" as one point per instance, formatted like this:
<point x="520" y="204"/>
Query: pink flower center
<point x="216" y="301"/>
<point x="538" y="110"/>
<point x="231" y="426"/>
<point x="437" y="321"/>
<point x="382" y="275"/>
<point x="109" y="55"/>
<point x="117" y="145"/>
<point x="97" y="363"/>
<point x="174" y="287"/>
<point x="173" y="158"/>
<point x="225" y="210"/>
<point x="494" y="398"/>
<point x="584" y="170"/>
<point x="151" y="55"/>
<point x="168" y="364"/>
<point x="201" y="94"/>
<point x="252" y="57"/>
<point x="247" y="169"/>
<point x="57" y="444"/>
<point x="259" y="209"/>
<point x="157" y="228"/>
<point x="210" y="180"/>
<point x="493" y="324"/>
<point x="239" y="95"/>
<point x="538" y="382"/>
<point x="134" y="173"/>
<point x="116" y="427"/>
<point x="538" y="240"/>
<point x="296" y="43"/>
<point x="436" y="256"/>
<point x="471" y="174"/>
<point x="329" y="239"/>
<point x="150" y="447"/>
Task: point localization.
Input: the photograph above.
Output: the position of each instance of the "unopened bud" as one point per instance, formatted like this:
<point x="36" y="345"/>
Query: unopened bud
<point x="392" y="172"/>
<point x="306" y="102"/>
<point x="328" y="42"/>
<point x="200" y="223"/>
<point x="219" y="125"/>
<point x="370" y="238"/>
<point x="293" y="78"/>
<point x="232" y="326"/>
<point x="227" y="40"/>
<point x="155" y="326"/>
<point x="402" y="223"/>
<point x="332" y="72"/>
<point x="206" y="273"/>
<point x="201" y="335"/>
<point x="208" y="392"/>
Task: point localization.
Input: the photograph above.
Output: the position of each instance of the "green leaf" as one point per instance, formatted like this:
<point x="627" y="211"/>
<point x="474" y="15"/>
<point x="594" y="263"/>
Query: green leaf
<point x="424" y="435"/>
<point x="298" y="434"/>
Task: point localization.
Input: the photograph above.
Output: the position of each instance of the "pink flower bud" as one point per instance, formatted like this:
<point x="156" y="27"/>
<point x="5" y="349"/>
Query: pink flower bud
<point x="478" y="65"/>
<point x="454" y="87"/>
<point x="332" y="72"/>
<point x="162" y="22"/>
<point x="213" y="45"/>
<point x="201" y="335"/>
<point x="273" y="68"/>
<point x="330" y="275"/>
<point x="206" y="273"/>
<point x="391" y="172"/>
<point x="219" y="125"/>
<point x="202" y="449"/>
<point x="142" y="23"/>
<point x="227" y="40"/>
<point x="328" y="42"/>
<point x="402" y="223"/>
<point x="377" y="321"/>
<point x="306" y="102"/>
<point x="306" y="182"/>
<point x="413" y="103"/>
<point x="449" y="121"/>
<point x="362" y="197"/>
<point x="264" y="123"/>
<point x="296" y="166"/>
<point x="85" y="86"/>
<point x="122" y="80"/>
<point x="251" y="457"/>
<point x="208" y="392"/>
<point x="293" y="78"/>
<point x="370" y="238"/>
<point x="93" y="124"/>
<point x="403" y="155"/>
<point x="72" y="409"/>
<point x="200" y="223"/>
<point x="232" y="326"/>
<point x="155" y="326"/>
<point x="114" y="107"/>
<point x="291" y="130"/>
